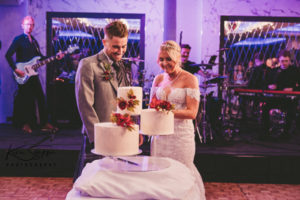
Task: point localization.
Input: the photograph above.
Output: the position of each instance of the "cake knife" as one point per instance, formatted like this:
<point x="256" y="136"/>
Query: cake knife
<point x="127" y="161"/>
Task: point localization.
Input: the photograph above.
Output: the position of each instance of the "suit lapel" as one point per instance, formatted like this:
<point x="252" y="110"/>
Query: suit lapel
<point x="103" y="60"/>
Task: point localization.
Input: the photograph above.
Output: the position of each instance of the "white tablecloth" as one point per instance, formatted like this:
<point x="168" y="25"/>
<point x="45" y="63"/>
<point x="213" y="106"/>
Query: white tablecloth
<point x="114" y="179"/>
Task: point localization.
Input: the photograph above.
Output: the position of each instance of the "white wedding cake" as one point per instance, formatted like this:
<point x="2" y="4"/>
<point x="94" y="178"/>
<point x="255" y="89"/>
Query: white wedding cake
<point x="119" y="140"/>
<point x="114" y="140"/>
<point x="130" y="100"/>
<point x="155" y="122"/>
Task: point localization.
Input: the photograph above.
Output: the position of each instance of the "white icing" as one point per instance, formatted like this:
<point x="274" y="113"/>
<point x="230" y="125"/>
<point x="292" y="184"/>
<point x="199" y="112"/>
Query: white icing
<point x="114" y="140"/>
<point x="157" y="122"/>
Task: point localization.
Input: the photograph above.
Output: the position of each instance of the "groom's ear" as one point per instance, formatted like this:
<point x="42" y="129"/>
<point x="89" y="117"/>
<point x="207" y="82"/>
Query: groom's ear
<point x="104" y="41"/>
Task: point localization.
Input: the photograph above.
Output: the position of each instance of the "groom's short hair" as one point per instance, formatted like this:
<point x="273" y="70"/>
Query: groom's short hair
<point x="117" y="29"/>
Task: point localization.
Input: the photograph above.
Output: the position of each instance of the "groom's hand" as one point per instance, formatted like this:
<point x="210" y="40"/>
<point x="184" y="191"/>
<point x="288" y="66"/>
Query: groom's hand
<point x="141" y="139"/>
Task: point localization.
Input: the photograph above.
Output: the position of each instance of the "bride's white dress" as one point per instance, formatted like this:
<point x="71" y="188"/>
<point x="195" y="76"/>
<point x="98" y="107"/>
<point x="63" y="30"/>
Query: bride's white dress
<point x="180" y="145"/>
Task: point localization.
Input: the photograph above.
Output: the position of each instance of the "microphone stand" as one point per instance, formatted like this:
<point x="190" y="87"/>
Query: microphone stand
<point x="205" y="125"/>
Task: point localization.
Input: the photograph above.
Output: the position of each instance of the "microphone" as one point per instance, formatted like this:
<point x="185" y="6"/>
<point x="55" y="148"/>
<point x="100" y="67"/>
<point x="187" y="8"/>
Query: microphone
<point x="132" y="59"/>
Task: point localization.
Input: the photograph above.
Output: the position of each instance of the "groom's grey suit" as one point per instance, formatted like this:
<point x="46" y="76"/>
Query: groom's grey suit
<point x="96" y="97"/>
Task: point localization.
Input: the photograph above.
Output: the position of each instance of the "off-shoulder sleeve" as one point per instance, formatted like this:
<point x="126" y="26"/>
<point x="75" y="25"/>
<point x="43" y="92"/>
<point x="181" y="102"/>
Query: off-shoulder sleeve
<point x="193" y="93"/>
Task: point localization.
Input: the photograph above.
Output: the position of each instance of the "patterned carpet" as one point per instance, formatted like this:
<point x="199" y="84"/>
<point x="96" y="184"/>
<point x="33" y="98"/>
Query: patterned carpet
<point x="28" y="188"/>
<point x="56" y="155"/>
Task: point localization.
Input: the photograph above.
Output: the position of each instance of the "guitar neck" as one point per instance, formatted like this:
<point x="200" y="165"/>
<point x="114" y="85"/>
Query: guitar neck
<point x="44" y="62"/>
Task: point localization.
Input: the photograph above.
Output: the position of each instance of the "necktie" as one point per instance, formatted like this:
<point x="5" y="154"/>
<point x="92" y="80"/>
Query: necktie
<point x="119" y="71"/>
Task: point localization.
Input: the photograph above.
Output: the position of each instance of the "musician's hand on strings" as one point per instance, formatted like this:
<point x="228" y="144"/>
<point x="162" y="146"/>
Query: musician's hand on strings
<point x="60" y="55"/>
<point x="272" y="87"/>
<point x="19" y="72"/>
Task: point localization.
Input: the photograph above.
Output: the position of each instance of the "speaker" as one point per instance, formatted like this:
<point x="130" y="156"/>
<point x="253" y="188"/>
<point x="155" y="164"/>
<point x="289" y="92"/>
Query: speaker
<point x="62" y="104"/>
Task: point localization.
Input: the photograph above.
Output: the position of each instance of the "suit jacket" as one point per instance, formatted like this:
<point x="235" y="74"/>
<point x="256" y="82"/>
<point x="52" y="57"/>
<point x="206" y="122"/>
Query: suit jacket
<point x="96" y="97"/>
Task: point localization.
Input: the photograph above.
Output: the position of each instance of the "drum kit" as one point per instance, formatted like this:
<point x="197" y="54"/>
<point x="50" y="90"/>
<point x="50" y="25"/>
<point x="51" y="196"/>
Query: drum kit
<point x="223" y="119"/>
<point x="214" y="113"/>
<point x="205" y="119"/>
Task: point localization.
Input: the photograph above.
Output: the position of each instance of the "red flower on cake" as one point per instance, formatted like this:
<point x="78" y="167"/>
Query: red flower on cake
<point x="122" y="120"/>
<point x="161" y="105"/>
<point x="130" y="104"/>
<point x="122" y="103"/>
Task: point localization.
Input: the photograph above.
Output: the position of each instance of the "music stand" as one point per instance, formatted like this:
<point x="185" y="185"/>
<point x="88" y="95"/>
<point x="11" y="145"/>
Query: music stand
<point x="212" y="60"/>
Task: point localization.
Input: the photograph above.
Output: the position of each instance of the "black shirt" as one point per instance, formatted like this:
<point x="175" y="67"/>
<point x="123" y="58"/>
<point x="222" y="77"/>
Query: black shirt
<point x="187" y="67"/>
<point x="288" y="78"/>
<point x="262" y="76"/>
<point x="24" y="49"/>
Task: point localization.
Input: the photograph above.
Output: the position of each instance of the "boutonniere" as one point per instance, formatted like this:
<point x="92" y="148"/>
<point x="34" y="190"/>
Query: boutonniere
<point x="108" y="74"/>
<point x="130" y="104"/>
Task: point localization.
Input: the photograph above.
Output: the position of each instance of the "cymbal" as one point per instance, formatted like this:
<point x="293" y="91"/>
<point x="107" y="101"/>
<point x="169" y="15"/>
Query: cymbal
<point x="202" y="65"/>
<point x="206" y="85"/>
<point x="216" y="79"/>
<point x="208" y="66"/>
<point x="222" y="77"/>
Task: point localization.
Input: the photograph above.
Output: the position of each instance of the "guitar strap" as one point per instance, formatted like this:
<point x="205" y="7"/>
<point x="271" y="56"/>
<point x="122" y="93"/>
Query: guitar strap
<point x="35" y="44"/>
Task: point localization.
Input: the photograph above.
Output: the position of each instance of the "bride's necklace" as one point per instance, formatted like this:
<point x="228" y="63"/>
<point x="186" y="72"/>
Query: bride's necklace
<point x="176" y="77"/>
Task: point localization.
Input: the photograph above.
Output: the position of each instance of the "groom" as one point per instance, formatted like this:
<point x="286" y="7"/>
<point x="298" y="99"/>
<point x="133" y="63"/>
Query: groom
<point x="97" y="80"/>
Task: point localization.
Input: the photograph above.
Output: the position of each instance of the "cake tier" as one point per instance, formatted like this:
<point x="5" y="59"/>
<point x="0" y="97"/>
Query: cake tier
<point x="114" y="140"/>
<point x="157" y="122"/>
<point x="138" y="92"/>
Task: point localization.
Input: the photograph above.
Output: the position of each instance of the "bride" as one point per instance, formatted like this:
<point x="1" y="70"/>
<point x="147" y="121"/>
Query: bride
<point x="181" y="89"/>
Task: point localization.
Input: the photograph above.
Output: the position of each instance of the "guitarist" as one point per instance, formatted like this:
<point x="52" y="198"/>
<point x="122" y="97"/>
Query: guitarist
<point x="26" y="47"/>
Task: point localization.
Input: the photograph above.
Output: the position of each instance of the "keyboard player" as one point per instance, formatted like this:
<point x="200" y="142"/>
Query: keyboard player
<point x="287" y="78"/>
<point x="262" y="77"/>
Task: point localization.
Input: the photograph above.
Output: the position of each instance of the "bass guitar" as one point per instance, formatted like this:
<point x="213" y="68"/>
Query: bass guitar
<point x="30" y="67"/>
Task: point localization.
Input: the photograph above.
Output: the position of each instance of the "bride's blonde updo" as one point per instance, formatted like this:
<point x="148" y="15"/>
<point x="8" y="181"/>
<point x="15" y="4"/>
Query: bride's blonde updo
<point x="173" y="49"/>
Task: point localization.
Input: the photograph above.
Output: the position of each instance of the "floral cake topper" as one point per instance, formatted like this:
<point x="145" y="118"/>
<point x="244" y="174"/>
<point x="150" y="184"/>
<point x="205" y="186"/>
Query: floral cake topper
<point x="130" y="104"/>
<point x="161" y="105"/>
<point x="122" y="120"/>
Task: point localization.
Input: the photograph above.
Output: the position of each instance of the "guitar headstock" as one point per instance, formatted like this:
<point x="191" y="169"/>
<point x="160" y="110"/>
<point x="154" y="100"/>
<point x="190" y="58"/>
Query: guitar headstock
<point x="72" y="48"/>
